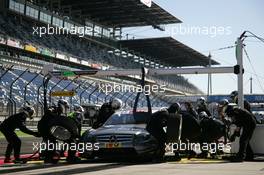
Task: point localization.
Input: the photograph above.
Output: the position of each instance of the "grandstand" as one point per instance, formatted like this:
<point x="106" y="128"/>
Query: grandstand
<point x="23" y="53"/>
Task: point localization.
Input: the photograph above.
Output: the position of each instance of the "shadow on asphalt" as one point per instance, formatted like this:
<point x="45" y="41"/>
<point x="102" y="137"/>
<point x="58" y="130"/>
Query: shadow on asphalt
<point x="107" y="164"/>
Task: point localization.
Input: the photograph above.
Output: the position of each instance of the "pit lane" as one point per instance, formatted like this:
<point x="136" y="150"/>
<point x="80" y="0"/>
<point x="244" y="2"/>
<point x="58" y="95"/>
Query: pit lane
<point x="102" y="167"/>
<point x="190" y="167"/>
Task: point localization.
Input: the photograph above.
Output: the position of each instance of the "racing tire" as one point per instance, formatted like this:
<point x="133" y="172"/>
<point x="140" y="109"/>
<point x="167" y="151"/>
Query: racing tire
<point x="58" y="128"/>
<point x="68" y="127"/>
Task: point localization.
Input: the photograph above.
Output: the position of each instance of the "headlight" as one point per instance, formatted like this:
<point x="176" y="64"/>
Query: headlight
<point x="139" y="138"/>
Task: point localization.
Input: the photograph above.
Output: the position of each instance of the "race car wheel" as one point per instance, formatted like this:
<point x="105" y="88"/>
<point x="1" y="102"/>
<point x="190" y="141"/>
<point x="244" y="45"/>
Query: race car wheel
<point x="63" y="128"/>
<point x="58" y="128"/>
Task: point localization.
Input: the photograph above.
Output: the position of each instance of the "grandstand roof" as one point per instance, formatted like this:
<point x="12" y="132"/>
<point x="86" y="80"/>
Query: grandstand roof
<point x="168" y="50"/>
<point x="125" y="13"/>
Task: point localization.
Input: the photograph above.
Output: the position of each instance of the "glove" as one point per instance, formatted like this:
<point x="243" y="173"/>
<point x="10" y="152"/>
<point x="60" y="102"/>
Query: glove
<point x="234" y="135"/>
<point x="232" y="138"/>
<point x="237" y="133"/>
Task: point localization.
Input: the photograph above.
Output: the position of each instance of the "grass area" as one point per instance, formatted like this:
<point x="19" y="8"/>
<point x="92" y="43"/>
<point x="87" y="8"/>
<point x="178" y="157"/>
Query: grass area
<point x="21" y="134"/>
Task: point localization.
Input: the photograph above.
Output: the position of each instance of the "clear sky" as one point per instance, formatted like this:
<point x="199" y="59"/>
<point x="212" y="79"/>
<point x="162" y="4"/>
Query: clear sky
<point x="232" y="17"/>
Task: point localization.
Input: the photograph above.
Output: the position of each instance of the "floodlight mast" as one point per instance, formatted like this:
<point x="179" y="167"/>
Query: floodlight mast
<point x="239" y="57"/>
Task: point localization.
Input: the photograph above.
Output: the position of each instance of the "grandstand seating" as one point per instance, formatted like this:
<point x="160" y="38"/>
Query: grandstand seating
<point x="22" y="30"/>
<point x="32" y="95"/>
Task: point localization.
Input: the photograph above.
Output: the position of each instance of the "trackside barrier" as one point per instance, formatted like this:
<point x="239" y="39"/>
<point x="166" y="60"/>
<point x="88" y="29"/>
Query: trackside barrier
<point x="40" y="105"/>
<point x="71" y="82"/>
<point x="85" y="89"/>
<point x="25" y="89"/>
<point x="90" y="95"/>
<point x="12" y="108"/>
<point x="126" y="101"/>
<point x="76" y="89"/>
<point x="53" y="87"/>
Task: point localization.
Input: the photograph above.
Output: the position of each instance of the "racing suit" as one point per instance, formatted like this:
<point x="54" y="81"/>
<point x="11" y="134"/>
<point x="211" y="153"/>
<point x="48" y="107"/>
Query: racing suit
<point x="203" y="108"/>
<point x="78" y="118"/>
<point x="243" y="118"/>
<point x="8" y="128"/>
<point x="246" y="105"/>
<point x="42" y="128"/>
<point x="105" y="112"/>
<point x="248" y="108"/>
<point x="155" y="128"/>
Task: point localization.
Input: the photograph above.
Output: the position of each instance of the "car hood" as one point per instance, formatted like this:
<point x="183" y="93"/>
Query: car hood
<point x="119" y="129"/>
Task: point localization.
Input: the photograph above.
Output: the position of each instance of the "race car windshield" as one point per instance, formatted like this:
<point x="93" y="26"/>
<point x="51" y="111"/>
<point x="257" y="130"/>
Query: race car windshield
<point x="126" y="119"/>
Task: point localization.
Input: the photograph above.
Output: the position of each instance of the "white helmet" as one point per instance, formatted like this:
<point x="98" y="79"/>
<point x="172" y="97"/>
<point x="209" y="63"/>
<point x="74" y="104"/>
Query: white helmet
<point x="78" y="108"/>
<point x="200" y="101"/>
<point x="63" y="105"/>
<point x="223" y="102"/>
<point x="203" y="115"/>
<point x="28" y="110"/>
<point x="116" y="103"/>
<point x="234" y="96"/>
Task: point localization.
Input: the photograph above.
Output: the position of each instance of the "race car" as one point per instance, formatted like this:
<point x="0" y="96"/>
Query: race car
<point x="124" y="134"/>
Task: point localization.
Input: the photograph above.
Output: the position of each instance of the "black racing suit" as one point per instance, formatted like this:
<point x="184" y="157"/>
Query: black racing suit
<point x="246" y="105"/>
<point x="105" y="112"/>
<point x="248" y="108"/>
<point x="193" y="113"/>
<point x="155" y="128"/>
<point x="51" y="113"/>
<point x="8" y="128"/>
<point x="77" y="117"/>
<point x="203" y="108"/>
<point x="243" y="118"/>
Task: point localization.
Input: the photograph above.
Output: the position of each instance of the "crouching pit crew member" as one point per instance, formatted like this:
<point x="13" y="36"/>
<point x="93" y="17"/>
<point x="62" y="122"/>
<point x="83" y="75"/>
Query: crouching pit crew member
<point x="156" y="124"/>
<point x="242" y="118"/>
<point x="77" y="117"/>
<point x="8" y="128"/>
<point x="50" y="156"/>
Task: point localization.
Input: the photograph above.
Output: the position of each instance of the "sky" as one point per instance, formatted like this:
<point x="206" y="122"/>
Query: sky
<point x="230" y="18"/>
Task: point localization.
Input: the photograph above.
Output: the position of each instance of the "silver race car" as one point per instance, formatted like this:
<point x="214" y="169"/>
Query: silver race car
<point x="124" y="134"/>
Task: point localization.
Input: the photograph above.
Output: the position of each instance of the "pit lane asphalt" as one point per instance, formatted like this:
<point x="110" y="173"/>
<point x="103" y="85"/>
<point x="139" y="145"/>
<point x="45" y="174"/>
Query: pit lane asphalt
<point x="188" y="167"/>
<point x="26" y="147"/>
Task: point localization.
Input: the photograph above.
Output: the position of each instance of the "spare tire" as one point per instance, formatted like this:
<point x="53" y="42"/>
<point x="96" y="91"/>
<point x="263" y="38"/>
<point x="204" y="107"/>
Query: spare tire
<point x="58" y="128"/>
<point x="63" y="128"/>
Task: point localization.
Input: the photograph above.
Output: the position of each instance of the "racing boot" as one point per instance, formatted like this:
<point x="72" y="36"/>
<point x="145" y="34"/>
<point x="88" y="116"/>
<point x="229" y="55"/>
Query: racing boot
<point x="8" y="160"/>
<point x="19" y="161"/>
<point x="236" y="158"/>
